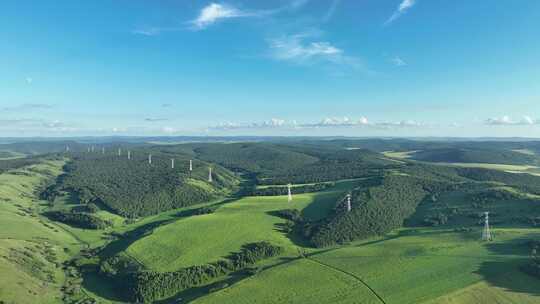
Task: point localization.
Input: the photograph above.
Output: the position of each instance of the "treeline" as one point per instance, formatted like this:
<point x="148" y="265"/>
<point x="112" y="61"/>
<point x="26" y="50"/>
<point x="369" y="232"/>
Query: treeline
<point x="16" y="163"/>
<point x="475" y="155"/>
<point x="282" y="190"/>
<point x="134" y="188"/>
<point x="533" y="266"/>
<point x="526" y="182"/>
<point x="253" y="157"/>
<point x="332" y="166"/>
<point x="78" y="219"/>
<point x="375" y="210"/>
<point x="149" y="286"/>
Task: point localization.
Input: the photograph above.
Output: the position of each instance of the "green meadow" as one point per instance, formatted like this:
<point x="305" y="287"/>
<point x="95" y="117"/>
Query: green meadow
<point x="408" y="266"/>
<point x="200" y="239"/>
<point x="31" y="247"/>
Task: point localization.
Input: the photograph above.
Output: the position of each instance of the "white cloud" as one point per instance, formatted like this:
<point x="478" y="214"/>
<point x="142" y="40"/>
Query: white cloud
<point x="272" y="123"/>
<point x="329" y="122"/>
<point x="214" y="12"/>
<point x="29" y="80"/>
<point x="397" y="61"/>
<point x="169" y="130"/>
<point x="295" y="49"/>
<point x="403" y="7"/>
<point x="508" y="121"/>
<point x="338" y="122"/>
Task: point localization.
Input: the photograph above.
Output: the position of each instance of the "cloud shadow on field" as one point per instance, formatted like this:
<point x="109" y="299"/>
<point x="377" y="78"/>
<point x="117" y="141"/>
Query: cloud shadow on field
<point x="504" y="271"/>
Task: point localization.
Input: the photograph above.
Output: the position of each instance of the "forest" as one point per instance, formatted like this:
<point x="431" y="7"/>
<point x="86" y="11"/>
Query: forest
<point x="134" y="188"/>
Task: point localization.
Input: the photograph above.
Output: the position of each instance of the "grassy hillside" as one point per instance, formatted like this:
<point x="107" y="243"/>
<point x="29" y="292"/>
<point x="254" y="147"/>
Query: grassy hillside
<point x="412" y="266"/>
<point x="31" y="247"/>
<point x="199" y="239"/>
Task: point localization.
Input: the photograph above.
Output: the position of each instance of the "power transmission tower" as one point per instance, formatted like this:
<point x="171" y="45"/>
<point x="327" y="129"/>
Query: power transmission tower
<point x="289" y="194"/>
<point x="486" y="233"/>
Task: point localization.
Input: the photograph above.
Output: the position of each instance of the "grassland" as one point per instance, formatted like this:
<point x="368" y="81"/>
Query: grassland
<point x="411" y="266"/>
<point x="200" y="239"/>
<point x="31" y="247"/>
<point x="399" y="154"/>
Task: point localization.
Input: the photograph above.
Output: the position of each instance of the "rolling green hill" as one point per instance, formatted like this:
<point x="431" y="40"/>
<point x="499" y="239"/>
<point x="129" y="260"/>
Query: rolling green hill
<point x="134" y="188"/>
<point x="412" y="235"/>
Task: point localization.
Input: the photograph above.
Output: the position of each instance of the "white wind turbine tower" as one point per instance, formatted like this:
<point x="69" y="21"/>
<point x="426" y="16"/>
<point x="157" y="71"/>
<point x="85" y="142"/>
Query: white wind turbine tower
<point x="190" y="166"/>
<point x="92" y="148"/>
<point x="486" y="233"/>
<point x="103" y="150"/>
<point x="209" y="174"/>
<point x="88" y="149"/>
<point x="289" y="194"/>
<point x="172" y="163"/>
<point x="119" y="151"/>
<point x="349" y="202"/>
<point x="149" y="159"/>
<point x="129" y="154"/>
<point x="67" y="148"/>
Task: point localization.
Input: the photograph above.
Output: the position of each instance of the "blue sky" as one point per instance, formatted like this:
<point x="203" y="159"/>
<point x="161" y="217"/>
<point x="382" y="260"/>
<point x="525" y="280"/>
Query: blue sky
<point x="289" y="67"/>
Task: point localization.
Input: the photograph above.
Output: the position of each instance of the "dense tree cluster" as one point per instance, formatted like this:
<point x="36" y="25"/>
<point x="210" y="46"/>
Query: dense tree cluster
<point x="149" y="286"/>
<point x="79" y="219"/>
<point x="467" y="155"/>
<point x="135" y="188"/>
<point x="526" y="182"/>
<point x="533" y="266"/>
<point x="253" y="157"/>
<point x="376" y="211"/>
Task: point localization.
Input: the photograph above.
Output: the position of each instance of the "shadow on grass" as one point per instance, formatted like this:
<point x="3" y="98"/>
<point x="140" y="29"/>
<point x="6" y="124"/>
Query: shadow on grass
<point x="507" y="273"/>
<point x="108" y="288"/>
<point x="191" y="294"/>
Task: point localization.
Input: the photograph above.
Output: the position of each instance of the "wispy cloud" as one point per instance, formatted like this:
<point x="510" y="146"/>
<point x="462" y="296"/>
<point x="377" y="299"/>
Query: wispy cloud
<point x="397" y="61"/>
<point x="215" y="12"/>
<point x="155" y="119"/>
<point x="508" y="121"/>
<point x="28" y="106"/>
<point x="166" y="105"/>
<point x="304" y="49"/>
<point x="331" y="10"/>
<point x="403" y="7"/>
<point x="34" y="124"/>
